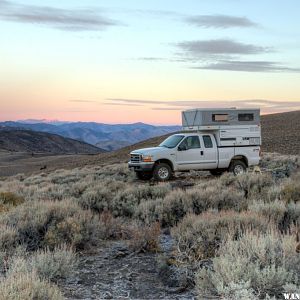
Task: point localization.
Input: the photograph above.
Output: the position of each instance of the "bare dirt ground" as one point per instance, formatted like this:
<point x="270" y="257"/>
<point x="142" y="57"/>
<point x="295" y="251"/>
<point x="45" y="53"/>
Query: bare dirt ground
<point x="12" y="163"/>
<point x="112" y="272"/>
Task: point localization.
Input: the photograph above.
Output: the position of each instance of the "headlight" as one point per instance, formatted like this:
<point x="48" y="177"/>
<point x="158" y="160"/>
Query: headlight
<point x="147" y="158"/>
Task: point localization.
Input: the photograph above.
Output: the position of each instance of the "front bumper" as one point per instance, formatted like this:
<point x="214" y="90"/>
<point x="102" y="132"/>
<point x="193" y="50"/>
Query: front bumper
<point x="141" y="166"/>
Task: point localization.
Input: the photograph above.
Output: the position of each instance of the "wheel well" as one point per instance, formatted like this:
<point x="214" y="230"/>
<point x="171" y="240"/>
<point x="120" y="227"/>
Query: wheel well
<point x="240" y="157"/>
<point x="166" y="161"/>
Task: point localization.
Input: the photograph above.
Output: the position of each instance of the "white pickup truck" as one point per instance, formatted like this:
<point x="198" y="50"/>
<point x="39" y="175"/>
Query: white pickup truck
<point x="186" y="151"/>
<point x="215" y="148"/>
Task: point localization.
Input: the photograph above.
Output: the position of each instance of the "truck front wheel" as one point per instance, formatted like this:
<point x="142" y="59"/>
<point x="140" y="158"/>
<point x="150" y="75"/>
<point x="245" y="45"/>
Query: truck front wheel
<point x="162" y="172"/>
<point x="144" y="175"/>
<point x="237" y="167"/>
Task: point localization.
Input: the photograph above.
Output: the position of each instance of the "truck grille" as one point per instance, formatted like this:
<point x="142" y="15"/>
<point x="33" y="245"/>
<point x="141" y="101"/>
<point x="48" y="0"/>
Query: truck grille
<point x="135" y="158"/>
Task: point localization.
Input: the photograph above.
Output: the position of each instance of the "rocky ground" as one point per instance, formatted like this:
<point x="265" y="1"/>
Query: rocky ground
<point x="114" y="272"/>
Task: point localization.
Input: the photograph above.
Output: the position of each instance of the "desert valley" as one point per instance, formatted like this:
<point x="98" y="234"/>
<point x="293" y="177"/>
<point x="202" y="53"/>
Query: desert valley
<point x="81" y="226"/>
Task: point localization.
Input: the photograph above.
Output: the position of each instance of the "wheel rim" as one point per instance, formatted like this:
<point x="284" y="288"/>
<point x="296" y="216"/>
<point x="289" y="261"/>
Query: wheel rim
<point x="163" y="173"/>
<point x="238" y="169"/>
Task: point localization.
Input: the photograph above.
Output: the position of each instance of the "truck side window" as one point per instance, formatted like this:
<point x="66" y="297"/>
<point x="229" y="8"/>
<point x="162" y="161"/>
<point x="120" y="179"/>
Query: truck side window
<point x="207" y="141"/>
<point x="191" y="142"/>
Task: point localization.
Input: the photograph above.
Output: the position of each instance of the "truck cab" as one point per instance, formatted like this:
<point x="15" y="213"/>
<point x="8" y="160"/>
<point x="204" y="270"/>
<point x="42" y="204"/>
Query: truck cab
<point x="210" y="145"/>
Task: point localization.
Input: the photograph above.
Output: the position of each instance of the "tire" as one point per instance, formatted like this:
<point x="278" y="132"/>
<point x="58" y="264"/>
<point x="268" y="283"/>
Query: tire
<point x="216" y="172"/>
<point x="144" y="175"/>
<point x="237" y="167"/>
<point x="162" y="172"/>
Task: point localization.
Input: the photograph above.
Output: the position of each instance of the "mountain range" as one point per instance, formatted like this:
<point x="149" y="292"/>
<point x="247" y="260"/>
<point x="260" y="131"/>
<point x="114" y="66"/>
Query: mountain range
<point x="105" y="136"/>
<point x="16" y="140"/>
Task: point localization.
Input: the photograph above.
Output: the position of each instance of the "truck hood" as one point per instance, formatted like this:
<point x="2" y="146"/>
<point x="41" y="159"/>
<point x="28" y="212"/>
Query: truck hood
<point x="150" y="151"/>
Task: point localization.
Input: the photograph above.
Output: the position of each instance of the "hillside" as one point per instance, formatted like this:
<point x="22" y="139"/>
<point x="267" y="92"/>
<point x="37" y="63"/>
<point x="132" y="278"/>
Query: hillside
<point x="281" y="133"/>
<point x="41" y="142"/>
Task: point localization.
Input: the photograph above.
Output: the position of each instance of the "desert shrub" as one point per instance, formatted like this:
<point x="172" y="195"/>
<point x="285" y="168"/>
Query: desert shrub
<point x="253" y="184"/>
<point x="283" y="215"/>
<point x="226" y="199"/>
<point x="215" y="196"/>
<point x="291" y="191"/>
<point x="273" y="211"/>
<point x="293" y="213"/>
<point x="274" y="193"/>
<point x="144" y="238"/>
<point x="150" y="211"/>
<point x="273" y="161"/>
<point x="263" y="264"/>
<point x="227" y="179"/>
<point x="22" y="285"/>
<point x="32" y="221"/>
<point x="78" y="189"/>
<point x="52" y="265"/>
<point x="53" y="192"/>
<point x="48" y="265"/>
<point x="112" y="228"/>
<point x="199" y="236"/>
<point x="172" y="208"/>
<point x="8" y="238"/>
<point x="125" y="202"/>
<point x="8" y="200"/>
<point x="98" y="197"/>
<point x="78" y="230"/>
<point x="64" y="177"/>
<point x="196" y="200"/>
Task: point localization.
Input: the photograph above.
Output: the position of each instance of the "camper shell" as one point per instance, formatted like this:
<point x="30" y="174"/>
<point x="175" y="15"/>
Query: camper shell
<point x="230" y="126"/>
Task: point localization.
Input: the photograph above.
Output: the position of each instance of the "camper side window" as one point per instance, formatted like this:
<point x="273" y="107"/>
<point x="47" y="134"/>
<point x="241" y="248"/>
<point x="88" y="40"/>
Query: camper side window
<point x="207" y="141"/>
<point x="246" y="117"/>
<point x="220" y="117"/>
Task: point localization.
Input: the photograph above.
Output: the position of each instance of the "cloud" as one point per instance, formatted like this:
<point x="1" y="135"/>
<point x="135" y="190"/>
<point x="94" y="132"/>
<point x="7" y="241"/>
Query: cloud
<point x="266" y="106"/>
<point x="228" y="55"/>
<point x="248" y="66"/>
<point x="63" y="19"/>
<point x="83" y="101"/>
<point x="151" y="58"/>
<point x="133" y="101"/>
<point x="123" y="104"/>
<point x="219" y="47"/>
<point x="220" y="21"/>
<point x="167" y="108"/>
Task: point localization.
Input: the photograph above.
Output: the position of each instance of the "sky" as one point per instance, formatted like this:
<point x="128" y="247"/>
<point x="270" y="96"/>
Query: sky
<point x="132" y="61"/>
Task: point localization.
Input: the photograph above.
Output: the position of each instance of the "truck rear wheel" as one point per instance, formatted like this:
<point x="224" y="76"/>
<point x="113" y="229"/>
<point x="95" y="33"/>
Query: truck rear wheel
<point x="144" y="175"/>
<point x="237" y="167"/>
<point x="162" y="172"/>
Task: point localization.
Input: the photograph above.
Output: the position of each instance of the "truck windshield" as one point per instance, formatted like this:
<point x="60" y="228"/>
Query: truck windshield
<point x="172" y="141"/>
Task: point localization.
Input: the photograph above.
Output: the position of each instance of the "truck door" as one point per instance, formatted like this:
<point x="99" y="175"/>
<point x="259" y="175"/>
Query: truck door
<point x="188" y="155"/>
<point x="209" y="158"/>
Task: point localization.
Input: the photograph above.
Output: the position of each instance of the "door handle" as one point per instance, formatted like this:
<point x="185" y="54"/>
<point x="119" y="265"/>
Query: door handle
<point x="201" y="152"/>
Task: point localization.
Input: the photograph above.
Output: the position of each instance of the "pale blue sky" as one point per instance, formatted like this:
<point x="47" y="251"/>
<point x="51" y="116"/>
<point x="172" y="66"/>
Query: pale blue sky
<point x="79" y="60"/>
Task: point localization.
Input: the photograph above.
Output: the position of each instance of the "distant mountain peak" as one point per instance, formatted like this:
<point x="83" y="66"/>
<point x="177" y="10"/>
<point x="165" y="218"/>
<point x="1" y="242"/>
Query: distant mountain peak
<point x="42" y="121"/>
